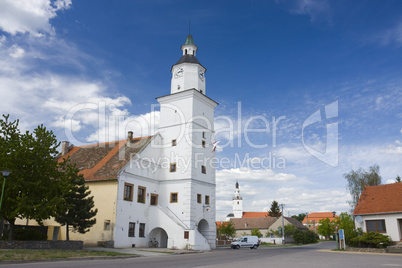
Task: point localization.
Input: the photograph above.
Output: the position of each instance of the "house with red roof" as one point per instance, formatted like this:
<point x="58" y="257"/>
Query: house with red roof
<point x="311" y="221"/>
<point x="379" y="209"/>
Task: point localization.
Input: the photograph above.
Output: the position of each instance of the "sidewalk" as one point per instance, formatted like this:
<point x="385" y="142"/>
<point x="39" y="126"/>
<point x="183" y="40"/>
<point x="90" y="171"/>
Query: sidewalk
<point x="145" y="252"/>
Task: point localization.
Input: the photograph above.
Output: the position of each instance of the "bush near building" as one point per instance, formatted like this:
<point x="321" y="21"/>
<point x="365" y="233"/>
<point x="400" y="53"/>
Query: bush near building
<point x="305" y="237"/>
<point x="371" y="240"/>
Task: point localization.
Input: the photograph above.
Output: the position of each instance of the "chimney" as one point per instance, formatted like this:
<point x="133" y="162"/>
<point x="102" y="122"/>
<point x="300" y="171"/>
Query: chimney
<point x="130" y="137"/>
<point x="64" y="147"/>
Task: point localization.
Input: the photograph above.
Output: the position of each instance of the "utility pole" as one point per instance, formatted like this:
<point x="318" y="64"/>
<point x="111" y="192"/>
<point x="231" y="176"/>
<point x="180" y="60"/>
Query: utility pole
<point x="283" y="227"/>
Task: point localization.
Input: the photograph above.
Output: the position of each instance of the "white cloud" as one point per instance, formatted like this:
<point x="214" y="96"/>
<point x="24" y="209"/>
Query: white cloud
<point x="393" y="149"/>
<point x="29" y="16"/>
<point x="16" y="52"/>
<point x="72" y="125"/>
<point x="116" y="126"/>
<point x="313" y="8"/>
<point x="246" y="174"/>
<point x="390" y="36"/>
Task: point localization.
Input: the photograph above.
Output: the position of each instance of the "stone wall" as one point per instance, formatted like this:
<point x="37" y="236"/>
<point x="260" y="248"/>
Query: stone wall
<point x="67" y="245"/>
<point x="373" y="250"/>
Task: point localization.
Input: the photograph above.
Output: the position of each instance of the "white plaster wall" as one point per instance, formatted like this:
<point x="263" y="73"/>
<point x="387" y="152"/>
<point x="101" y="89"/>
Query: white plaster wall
<point x="391" y="224"/>
<point x="133" y="211"/>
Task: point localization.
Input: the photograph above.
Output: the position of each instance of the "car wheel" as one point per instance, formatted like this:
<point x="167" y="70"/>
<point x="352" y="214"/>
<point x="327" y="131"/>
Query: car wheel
<point x="238" y="246"/>
<point x="255" y="247"/>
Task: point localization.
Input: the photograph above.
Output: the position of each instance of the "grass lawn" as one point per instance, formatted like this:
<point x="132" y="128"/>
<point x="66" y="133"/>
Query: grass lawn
<point x="39" y="254"/>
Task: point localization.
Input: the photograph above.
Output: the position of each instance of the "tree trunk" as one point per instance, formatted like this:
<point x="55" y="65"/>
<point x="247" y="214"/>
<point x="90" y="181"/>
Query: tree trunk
<point x="12" y="228"/>
<point x="1" y="227"/>
<point x="67" y="233"/>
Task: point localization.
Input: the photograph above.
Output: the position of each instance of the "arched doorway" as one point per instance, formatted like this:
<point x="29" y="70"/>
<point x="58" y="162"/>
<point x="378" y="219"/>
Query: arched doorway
<point x="203" y="227"/>
<point x="160" y="235"/>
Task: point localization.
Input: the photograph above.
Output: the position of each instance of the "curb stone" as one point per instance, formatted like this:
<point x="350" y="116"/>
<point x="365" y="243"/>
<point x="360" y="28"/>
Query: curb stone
<point x="71" y="259"/>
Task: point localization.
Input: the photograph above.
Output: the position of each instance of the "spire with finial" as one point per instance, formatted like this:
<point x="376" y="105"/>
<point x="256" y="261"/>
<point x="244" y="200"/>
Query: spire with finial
<point x="237" y="192"/>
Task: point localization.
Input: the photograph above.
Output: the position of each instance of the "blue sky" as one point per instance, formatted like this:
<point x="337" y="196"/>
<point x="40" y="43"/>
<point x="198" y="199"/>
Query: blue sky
<point x="286" y="60"/>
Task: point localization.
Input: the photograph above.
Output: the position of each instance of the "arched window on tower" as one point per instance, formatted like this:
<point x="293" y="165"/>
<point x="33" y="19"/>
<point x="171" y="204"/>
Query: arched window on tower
<point x="185" y="52"/>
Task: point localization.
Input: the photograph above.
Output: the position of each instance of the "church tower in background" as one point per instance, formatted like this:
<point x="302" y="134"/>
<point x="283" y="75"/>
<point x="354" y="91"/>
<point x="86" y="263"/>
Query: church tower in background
<point x="237" y="203"/>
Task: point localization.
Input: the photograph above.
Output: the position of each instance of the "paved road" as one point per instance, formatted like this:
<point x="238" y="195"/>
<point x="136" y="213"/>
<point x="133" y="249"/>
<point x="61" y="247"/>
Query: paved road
<point x="303" y="256"/>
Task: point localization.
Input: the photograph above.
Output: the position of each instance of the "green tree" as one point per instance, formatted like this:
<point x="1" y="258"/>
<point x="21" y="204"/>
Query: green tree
<point x="227" y="229"/>
<point x="256" y="232"/>
<point x="299" y="217"/>
<point x="79" y="211"/>
<point x="398" y="179"/>
<point x="346" y="222"/>
<point x="359" y="179"/>
<point x="326" y="227"/>
<point x="274" y="210"/>
<point x="33" y="189"/>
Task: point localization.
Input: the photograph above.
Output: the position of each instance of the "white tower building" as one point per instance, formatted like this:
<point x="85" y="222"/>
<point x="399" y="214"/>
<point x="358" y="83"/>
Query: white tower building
<point x="187" y="127"/>
<point x="237" y="203"/>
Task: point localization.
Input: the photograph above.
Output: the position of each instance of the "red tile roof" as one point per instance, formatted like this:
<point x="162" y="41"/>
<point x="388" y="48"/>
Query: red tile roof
<point x="254" y="214"/>
<point x="219" y="223"/>
<point x="316" y="216"/>
<point x="380" y="199"/>
<point x="103" y="161"/>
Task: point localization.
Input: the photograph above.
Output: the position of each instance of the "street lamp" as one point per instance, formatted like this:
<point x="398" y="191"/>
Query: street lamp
<point x="5" y="175"/>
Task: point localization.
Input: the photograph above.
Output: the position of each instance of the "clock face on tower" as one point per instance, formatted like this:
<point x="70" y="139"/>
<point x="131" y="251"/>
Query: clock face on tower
<point x="201" y="75"/>
<point x="178" y="72"/>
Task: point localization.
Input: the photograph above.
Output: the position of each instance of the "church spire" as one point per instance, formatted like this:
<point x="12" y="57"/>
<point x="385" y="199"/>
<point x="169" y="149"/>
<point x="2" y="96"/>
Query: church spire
<point x="189" y="40"/>
<point x="237" y="192"/>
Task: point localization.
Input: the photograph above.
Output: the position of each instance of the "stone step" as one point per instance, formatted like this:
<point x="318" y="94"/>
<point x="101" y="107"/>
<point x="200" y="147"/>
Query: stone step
<point x="394" y="250"/>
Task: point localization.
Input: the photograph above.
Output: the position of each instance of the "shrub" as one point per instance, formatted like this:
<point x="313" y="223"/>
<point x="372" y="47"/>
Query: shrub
<point x="256" y="232"/>
<point x="370" y="240"/>
<point x="29" y="234"/>
<point x="305" y="237"/>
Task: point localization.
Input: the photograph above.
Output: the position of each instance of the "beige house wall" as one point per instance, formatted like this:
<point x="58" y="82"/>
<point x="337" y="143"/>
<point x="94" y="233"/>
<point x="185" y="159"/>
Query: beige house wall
<point x="241" y="233"/>
<point x="278" y="224"/>
<point x="105" y="196"/>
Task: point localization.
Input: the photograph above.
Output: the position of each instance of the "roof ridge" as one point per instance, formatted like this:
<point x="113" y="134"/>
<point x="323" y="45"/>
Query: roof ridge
<point x="101" y="163"/>
<point x="110" y="142"/>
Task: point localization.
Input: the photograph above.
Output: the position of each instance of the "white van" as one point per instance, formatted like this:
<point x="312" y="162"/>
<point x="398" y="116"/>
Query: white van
<point x="246" y="241"/>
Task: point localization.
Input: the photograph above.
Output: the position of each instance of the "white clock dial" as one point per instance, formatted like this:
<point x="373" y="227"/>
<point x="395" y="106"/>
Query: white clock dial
<point x="178" y="72"/>
<point x="201" y="75"/>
